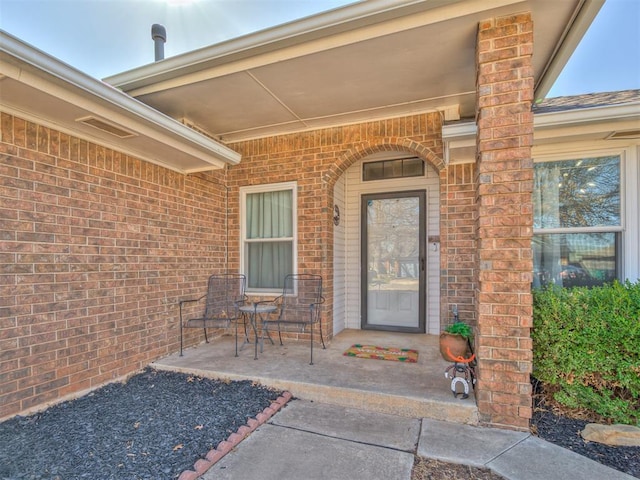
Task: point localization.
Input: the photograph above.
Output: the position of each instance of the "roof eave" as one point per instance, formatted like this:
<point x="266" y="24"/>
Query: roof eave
<point x="572" y="37"/>
<point x="581" y="116"/>
<point x="332" y="22"/>
<point x="329" y="23"/>
<point x="460" y="132"/>
<point x="34" y="68"/>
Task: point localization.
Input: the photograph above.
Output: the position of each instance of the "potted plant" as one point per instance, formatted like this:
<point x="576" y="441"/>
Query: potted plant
<point x="455" y="341"/>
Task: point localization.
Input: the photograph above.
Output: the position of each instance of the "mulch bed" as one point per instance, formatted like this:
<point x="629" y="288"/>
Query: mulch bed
<point x="156" y="425"/>
<point x="562" y="426"/>
<point x="429" y="469"/>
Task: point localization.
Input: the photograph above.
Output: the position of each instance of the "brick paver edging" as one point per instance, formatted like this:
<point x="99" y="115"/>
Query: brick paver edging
<point x="224" y="447"/>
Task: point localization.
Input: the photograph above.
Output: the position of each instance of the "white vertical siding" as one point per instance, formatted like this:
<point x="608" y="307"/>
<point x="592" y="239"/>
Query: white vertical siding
<point x="354" y="188"/>
<point x="339" y="247"/>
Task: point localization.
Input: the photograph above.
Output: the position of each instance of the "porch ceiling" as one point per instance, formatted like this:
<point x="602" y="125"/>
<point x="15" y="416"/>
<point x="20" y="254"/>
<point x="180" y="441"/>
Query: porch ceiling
<point x="370" y="60"/>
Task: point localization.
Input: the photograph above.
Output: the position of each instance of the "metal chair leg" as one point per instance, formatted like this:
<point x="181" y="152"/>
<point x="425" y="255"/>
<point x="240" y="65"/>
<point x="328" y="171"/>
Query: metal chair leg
<point x="237" y="319"/>
<point x="321" y="337"/>
<point x="311" y="335"/>
<point x="181" y="329"/>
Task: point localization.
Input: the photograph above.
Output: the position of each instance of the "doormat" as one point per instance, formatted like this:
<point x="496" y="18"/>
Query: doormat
<point x="382" y="353"/>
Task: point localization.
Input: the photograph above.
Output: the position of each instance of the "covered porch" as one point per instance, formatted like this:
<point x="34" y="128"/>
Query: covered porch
<point x="418" y="390"/>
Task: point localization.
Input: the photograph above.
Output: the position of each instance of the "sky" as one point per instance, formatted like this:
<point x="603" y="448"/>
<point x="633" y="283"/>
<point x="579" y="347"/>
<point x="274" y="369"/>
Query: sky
<point x="105" y="37"/>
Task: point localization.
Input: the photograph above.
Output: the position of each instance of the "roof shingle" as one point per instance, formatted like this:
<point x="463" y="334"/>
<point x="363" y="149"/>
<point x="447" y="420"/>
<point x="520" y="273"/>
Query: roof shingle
<point x="588" y="100"/>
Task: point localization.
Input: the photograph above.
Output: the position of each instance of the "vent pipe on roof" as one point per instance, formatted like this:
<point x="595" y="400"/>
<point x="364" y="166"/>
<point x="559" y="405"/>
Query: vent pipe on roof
<point x="159" y="36"/>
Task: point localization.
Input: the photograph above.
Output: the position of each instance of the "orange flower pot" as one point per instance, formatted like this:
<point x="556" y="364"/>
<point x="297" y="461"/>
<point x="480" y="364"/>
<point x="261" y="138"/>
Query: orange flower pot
<point x="453" y="346"/>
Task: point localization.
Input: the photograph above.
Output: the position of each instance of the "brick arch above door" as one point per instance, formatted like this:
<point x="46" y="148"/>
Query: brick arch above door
<point x="362" y="150"/>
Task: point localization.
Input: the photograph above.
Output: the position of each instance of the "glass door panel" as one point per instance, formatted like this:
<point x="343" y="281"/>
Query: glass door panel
<point x="393" y="270"/>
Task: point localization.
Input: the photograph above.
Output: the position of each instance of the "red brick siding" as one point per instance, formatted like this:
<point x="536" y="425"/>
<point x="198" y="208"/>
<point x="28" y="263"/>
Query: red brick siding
<point x="97" y="247"/>
<point x="95" y="250"/>
<point x="316" y="160"/>
<point x="504" y="224"/>
<point x="458" y="214"/>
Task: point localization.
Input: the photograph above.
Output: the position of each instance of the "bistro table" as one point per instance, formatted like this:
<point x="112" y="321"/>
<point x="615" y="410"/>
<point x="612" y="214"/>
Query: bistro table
<point x="256" y="312"/>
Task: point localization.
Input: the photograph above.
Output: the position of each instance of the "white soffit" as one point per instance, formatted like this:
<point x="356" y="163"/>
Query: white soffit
<point x="367" y="61"/>
<point x="42" y="89"/>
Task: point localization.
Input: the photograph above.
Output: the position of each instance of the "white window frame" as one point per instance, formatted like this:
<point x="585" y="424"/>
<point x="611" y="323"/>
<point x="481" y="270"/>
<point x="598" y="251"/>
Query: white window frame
<point x="565" y="154"/>
<point x="271" y="187"/>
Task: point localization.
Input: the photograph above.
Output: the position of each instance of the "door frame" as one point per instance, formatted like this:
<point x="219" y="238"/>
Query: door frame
<point x="422" y="260"/>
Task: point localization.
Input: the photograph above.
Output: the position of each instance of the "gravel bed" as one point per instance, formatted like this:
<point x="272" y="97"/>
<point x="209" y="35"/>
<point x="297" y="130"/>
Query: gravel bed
<point x="158" y="424"/>
<point x="565" y="432"/>
<point x="563" y="426"/>
<point x="154" y="426"/>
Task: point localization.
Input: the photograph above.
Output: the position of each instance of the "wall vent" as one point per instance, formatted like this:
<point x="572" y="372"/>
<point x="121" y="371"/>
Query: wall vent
<point x="106" y="126"/>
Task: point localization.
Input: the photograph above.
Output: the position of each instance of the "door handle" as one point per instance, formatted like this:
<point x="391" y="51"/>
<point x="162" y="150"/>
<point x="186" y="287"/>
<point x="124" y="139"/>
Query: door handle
<point x="422" y="264"/>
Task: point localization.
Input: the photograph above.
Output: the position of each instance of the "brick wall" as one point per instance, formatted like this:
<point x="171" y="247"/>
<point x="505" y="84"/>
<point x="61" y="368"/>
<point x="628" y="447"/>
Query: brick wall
<point x="97" y="247"/>
<point x="95" y="250"/>
<point x="316" y="160"/>
<point x="505" y="222"/>
<point x="458" y="213"/>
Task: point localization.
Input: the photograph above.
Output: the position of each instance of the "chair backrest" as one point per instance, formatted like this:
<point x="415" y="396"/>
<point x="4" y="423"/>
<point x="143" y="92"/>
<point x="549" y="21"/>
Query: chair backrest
<point x="225" y="293"/>
<point x="301" y="296"/>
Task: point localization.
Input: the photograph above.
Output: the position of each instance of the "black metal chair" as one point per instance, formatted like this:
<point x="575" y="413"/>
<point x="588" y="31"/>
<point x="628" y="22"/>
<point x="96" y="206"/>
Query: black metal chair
<point x="225" y="295"/>
<point x="299" y="306"/>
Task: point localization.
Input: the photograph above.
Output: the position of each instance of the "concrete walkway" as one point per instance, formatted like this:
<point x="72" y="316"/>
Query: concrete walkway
<point x="315" y="441"/>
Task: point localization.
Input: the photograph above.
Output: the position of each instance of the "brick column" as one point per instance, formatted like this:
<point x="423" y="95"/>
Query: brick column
<point x="504" y="225"/>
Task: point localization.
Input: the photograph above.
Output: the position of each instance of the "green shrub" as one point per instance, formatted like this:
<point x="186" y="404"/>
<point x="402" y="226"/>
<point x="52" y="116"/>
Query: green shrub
<point x="586" y="344"/>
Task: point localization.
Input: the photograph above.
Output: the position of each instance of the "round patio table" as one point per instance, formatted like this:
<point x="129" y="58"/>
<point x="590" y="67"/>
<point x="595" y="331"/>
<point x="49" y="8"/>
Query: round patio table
<point x="256" y="312"/>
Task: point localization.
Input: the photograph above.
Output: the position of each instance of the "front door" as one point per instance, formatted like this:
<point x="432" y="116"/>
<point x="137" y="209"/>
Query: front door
<point x="393" y="261"/>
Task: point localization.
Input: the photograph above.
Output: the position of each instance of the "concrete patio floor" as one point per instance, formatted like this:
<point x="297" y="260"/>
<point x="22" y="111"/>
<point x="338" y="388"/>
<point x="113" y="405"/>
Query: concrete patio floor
<point x="417" y="390"/>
